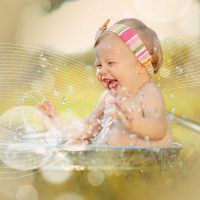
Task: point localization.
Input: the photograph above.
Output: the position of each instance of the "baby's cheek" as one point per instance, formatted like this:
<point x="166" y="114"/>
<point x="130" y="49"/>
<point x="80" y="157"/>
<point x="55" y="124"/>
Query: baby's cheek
<point x="99" y="79"/>
<point x="98" y="76"/>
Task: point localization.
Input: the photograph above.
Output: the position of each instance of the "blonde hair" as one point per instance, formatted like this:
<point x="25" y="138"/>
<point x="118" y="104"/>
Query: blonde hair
<point x="147" y="35"/>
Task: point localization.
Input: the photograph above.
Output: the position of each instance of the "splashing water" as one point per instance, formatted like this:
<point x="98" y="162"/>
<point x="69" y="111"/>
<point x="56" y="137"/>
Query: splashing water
<point x="30" y="96"/>
<point x="179" y="70"/>
<point x="63" y="100"/>
<point x="70" y="89"/>
<point x="26" y="145"/>
<point x="30" y="140"/>
<point x="44" y="61"/>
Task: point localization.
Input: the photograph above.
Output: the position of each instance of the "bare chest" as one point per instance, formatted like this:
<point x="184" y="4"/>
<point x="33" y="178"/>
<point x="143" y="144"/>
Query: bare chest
<point x="113" y="129"/>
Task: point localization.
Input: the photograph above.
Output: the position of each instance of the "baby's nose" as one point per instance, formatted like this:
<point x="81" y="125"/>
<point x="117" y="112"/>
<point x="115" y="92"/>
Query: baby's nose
<point x="104" y="69"/>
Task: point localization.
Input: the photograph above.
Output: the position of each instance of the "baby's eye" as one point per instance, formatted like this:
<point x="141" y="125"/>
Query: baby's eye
<point x="110" y="63"/>
<point x="98" y="66"/>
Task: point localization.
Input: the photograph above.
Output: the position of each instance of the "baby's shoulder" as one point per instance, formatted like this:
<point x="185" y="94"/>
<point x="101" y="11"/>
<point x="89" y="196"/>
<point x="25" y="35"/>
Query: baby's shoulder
<point x="151" y="95"/>
<point x="152" y="100"/>
<point x="150" y="89"/>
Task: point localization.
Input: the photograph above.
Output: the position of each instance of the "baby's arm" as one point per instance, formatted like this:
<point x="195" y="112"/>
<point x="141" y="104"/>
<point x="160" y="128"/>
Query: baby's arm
<point x="79" y="131"/>
<point x="154" y="123"/>
<point x="89" y="127"/>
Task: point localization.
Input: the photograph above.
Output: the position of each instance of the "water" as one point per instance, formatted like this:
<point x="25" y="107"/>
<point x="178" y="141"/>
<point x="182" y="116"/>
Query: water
<point x="25" y="144"/>
<point x="120" y="173"/>
<point x="140" y="181"/>
<point x="44" y="60"/>
<point x="63" y="100"/>
<point x="61" y="172"/>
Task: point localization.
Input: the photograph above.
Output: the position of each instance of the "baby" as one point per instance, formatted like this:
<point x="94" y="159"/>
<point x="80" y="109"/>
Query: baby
<point x="131" y="111"/>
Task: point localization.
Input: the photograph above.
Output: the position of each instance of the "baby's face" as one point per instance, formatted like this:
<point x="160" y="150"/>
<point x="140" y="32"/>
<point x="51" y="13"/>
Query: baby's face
<point x="116" y="65"/>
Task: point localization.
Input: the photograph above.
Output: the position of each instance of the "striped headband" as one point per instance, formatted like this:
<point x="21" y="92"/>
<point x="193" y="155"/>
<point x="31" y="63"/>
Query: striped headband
<point x="133" y="41"/>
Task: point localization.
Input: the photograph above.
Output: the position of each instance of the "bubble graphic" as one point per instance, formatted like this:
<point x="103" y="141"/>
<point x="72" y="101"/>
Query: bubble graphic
<point x="27" y="192"/>
<point x="95" y="178"/>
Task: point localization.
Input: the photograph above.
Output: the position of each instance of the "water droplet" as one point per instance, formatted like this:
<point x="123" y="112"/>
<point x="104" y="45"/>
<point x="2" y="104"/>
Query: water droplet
<point x="55" y="92"/>
<point x="91" y="80"/>
<point x="42" y="57"/>
<point x="179" y="70"/>
<point x="44" y="61"/>
<point x="70" y="89"/>
<point x="19" y="102"/>
<point x="167" y="40"/>
<point x="124" y="88"/>
<point x="164" y="72"/>
<point x="173" y="110"/>
<point x="63" y="100"/>
<point x="88" y="68"/>
<point x="44" y="65"/>
<point x="171" y="96"/>
<point x="28" y="128"/>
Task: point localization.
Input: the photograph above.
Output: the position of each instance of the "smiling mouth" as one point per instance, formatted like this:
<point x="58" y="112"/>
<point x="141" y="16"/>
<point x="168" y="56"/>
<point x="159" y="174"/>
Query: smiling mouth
<point x="111" y="83"/>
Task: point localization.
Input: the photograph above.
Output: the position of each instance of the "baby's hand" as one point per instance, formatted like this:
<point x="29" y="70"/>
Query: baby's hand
<point x="50" y="114"/>
<point x="125" y="115"/>
<point x="48" y="108"/>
